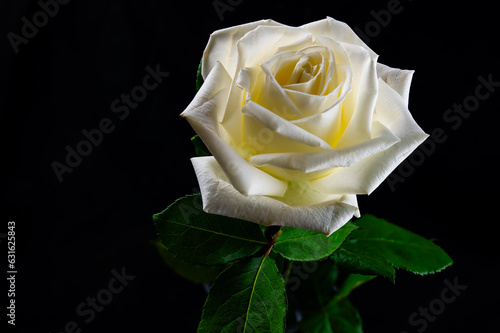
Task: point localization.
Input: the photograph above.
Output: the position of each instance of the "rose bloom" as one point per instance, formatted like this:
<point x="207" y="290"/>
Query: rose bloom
<point x="299" y="120"/>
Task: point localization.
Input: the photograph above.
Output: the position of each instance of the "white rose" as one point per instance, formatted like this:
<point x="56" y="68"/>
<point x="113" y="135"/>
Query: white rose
<point x="299" y="120"/>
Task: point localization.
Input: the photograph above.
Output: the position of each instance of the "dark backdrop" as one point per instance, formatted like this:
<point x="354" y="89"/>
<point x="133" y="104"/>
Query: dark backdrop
<point x="73" y="236"/>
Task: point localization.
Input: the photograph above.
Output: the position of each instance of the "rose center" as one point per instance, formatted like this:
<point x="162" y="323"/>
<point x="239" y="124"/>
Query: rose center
<point x="303" y="71"/>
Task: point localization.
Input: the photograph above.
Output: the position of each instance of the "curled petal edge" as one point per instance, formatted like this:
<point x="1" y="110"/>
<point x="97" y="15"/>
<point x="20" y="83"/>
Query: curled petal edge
<point x="221" y="198"/>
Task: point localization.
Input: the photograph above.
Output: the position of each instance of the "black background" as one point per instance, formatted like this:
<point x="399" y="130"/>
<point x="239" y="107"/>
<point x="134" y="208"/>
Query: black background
<point x="70" y="235"/>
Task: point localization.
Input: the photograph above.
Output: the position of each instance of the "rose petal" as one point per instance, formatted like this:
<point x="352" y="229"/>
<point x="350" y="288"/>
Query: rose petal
<point x="311" y="105"/>
<point x="264" y="41"/>
<point x="204" y="113"/>
<point x="366" y="175"/>
<point x="306" y="77"/>
<point x="220" y="197"/>
<point x="338" y="31"/>
<point x="221" y="46"/>
<point x="359" y="105"/>
<point x="291" y="137"/>
<point x="294" y="175"/>
<point x="397" y="79"/>
<point x="327" y="124"/>
<point x="281" y="65"/>
<point x="263" y="89"/>
<point x="343" y="157"/>
<point x="231" y="121"/>
<point x="289" y="104"/>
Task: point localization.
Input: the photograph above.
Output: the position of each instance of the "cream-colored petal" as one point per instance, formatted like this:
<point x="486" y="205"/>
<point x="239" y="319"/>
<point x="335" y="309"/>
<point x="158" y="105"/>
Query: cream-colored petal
<point x="327" y="124"/>
<point x="281" y="65"/>
<point x="231" y="121"/>
<point x="221" y="46"/>
<point x="359" y="105"/>
<point x="265" y="41"/>
<point x="310" y="105"/>
<point x="366" y="175"/>
<point x="204" y="113"/>
<point x="337" y="48"/>
<point x="338" y="31"/>
<point x="309" y="73"/>
<point x="391" y="110"/>
<point x="344" y="157"/>
<point x="280" y="126"/>
<point x="262" y="88"/>
<point x="397" y="79"/>
<point x="294" y="175"/>
<point x="221" y="198"/>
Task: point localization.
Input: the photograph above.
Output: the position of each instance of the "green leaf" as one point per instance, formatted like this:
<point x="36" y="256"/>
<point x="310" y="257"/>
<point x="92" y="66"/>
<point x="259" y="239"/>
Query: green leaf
<point x="278" y="259"/>
<point x="247" y="297"/>
<point x="338" y="316"/>
<point x="363" y="262"/>
<point x="332" y="313"/>
<point x="312" y="282"/>
<point x="352" y="282"/>
<point x="306" y="245"/>
<point x="192" y="272"/>
<point x="197" y="237"/>
<point x="379" y="246"/>
<point x="199" y="146"/>
<point x="199" y="77"/>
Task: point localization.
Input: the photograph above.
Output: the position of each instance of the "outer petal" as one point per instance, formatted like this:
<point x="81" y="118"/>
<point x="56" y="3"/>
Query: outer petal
<point x="366" y="175"/>
<point x="397" y="79"/>
<point x="265" y="41"/>
<point x="204" y="114"/>
<point x="220" y="197"/>
<point x="221" y="46"/>
<point x="338" y="31"/>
